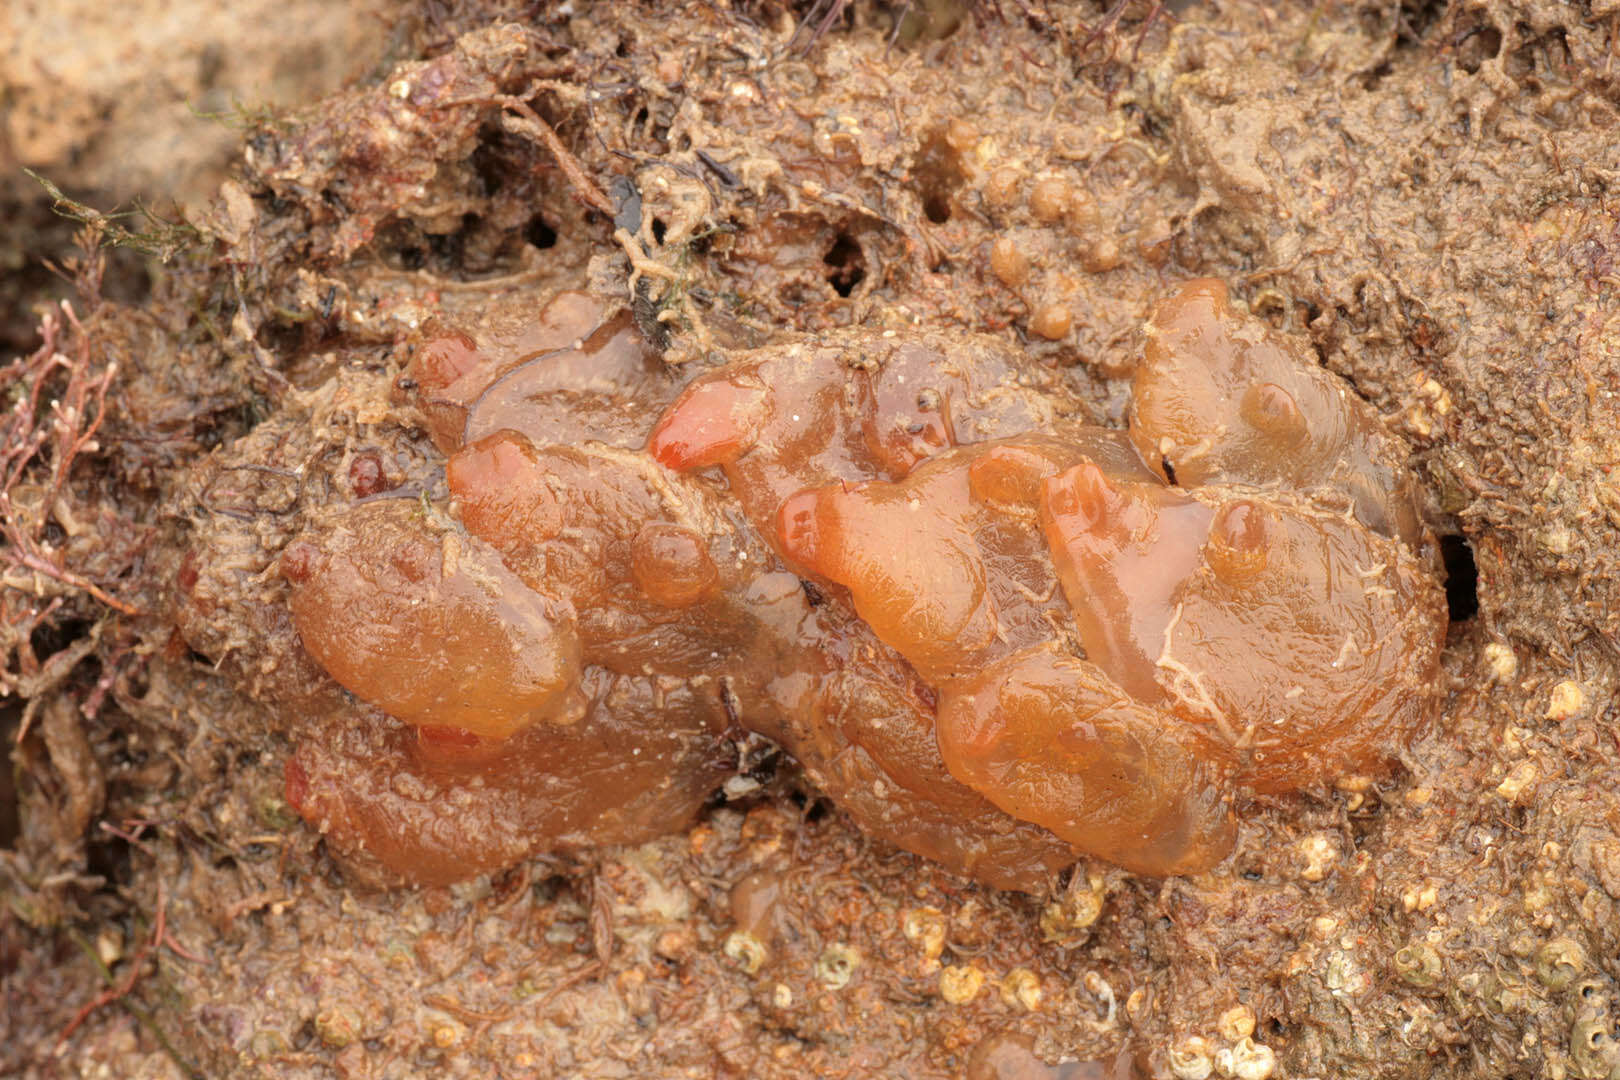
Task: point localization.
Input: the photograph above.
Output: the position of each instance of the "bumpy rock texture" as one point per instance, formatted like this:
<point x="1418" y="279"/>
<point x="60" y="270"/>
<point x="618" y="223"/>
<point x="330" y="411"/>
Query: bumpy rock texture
<point x="329" y="410"/>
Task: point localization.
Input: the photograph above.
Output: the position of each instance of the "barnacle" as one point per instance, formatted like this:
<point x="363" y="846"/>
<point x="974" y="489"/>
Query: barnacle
<point x="995" y="636"/>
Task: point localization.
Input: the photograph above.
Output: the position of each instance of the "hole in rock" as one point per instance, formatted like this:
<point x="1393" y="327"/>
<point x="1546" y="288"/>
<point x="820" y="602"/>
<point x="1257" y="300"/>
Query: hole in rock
<point x="1462" y="578"/>
<point x="846" y="265"/>
<point x="540" y="234"/>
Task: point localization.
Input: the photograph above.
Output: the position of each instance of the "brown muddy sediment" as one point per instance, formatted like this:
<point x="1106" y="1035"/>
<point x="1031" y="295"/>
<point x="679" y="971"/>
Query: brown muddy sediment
<point x="1424" y="192"/>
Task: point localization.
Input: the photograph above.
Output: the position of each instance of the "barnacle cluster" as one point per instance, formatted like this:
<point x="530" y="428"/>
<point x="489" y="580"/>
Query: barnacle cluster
<point x="993" y="635"/>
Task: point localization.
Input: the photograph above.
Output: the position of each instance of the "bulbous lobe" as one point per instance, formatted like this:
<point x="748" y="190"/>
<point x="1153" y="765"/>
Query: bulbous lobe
<point x="1122" y="550"/>
<point x="429" y="626"/>
<point x="903" y="550"/>
<point x="714" y="422"/>
<point x="649" y="565"/>
<point x="560" y="376"/>
<point x="672" y="566"/>
<point x="1341" y="631"/>
<point x="1050" y="739"/>
<point x="1221" y="397"/>
<point x="1240" y="541"/>
<point x="503" y="494"/>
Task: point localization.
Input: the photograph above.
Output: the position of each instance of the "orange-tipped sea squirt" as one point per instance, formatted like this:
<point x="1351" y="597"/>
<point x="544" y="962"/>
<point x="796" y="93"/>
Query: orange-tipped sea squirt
<point x="994" y="633"/>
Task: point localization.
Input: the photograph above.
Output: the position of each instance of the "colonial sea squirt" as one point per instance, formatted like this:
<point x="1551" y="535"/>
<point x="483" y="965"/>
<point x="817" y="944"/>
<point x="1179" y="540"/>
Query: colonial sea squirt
<point x="991" y="634"/>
